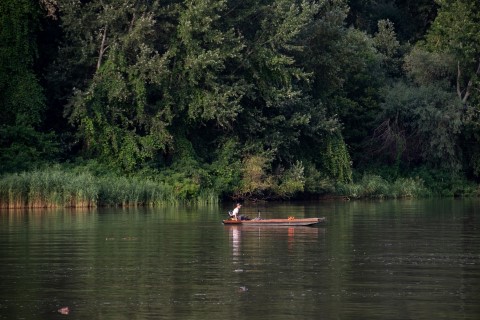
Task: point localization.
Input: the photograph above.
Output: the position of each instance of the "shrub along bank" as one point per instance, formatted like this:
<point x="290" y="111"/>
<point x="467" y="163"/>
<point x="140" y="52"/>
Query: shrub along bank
<point x="75" y="187"/>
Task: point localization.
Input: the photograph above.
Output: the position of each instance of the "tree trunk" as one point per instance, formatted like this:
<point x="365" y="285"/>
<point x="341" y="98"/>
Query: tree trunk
<point x="469" y="85"/>
<point x="102" y="48"/>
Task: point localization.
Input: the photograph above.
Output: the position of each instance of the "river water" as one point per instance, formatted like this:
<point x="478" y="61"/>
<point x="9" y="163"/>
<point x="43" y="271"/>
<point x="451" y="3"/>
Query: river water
<point x="408" y="259"/>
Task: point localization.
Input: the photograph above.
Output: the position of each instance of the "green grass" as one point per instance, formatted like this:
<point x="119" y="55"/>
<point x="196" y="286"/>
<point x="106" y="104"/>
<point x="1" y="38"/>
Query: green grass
<point x="374" y="186"/>
<point x="79" y="187"/>
<point x="56" y="187"/>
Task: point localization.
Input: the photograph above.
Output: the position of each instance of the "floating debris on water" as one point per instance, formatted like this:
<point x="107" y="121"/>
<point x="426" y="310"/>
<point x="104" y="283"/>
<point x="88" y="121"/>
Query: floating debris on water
<point x="64" y="310"/>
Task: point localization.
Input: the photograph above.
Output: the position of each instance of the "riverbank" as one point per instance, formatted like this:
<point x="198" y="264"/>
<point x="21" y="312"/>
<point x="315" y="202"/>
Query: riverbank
<point x="58" y="187"/>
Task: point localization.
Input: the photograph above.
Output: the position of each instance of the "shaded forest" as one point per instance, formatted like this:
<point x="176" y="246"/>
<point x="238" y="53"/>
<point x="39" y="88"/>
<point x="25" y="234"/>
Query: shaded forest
<point x="238" y="99"/>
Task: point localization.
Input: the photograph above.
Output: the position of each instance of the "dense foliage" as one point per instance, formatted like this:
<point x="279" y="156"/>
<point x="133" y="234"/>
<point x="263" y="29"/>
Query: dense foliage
<point x="251" y="99"/>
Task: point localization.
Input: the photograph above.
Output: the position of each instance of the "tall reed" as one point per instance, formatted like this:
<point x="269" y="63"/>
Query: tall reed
<point x="57" y="187"/>
<point x="374" y="186"/>
<point x="48" y="189"/>
<point x="13" y="191"/>
<point x="127" y="192"/>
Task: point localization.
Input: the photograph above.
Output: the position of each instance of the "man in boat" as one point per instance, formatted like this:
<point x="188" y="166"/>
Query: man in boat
<point x="234" y="213"/>
<point x="236" y="210"/>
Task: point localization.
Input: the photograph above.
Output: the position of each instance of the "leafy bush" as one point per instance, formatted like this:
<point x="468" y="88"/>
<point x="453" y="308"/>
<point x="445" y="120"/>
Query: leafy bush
<point x="336" y="159"/>
<point x="445" y="183"/>
<point x="259" y="182"/>
<point x="419" y="125"/>
<point x="317" y="182"/>
<point x="226" y="169"/>
<point x="255" y="181"/>
<point x="290" y="181"/>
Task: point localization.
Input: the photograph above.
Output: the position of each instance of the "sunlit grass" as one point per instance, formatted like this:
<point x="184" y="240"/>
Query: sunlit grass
<point x="56" y="187"/>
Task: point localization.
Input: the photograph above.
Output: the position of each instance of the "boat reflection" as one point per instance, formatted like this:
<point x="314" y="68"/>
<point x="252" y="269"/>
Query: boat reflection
<point x="236" y="237"/>
<point x="275" y="230"/>
<point x="270" y="236"/>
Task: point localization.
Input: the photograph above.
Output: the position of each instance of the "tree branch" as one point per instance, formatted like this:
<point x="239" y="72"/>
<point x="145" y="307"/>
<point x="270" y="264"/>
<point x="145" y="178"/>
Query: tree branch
<point x="470" y="84"/>
<point x="459" y="90"/>
<point x="130" y="28"/>
<point x="103" y="48"/>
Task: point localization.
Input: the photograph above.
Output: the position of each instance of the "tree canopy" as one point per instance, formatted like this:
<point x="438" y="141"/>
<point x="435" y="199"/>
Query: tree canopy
<point x="251" y="98"/>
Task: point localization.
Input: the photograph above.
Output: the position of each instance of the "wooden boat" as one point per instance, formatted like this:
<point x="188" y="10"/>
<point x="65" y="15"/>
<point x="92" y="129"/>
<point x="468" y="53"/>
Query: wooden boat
<point x="290" y="222"/>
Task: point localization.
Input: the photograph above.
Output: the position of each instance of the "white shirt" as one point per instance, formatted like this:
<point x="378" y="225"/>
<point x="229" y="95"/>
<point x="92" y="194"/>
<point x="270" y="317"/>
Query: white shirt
<point x="235" y="211"/>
